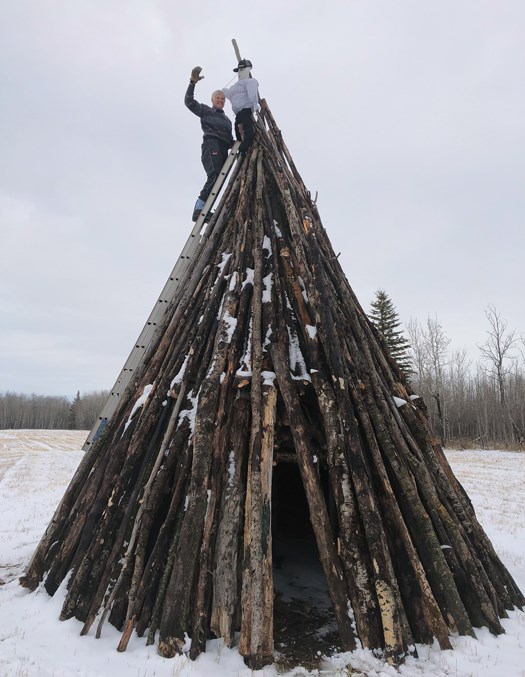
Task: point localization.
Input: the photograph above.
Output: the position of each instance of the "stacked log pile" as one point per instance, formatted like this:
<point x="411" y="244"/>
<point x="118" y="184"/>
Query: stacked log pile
<point x="266" y="354"/>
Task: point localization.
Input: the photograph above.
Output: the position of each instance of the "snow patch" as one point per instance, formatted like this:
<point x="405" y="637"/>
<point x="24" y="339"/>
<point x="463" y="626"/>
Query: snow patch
<point x="267" y="245"/>
<point x="312" y="331"/>
<point x="269" y="377"/>
<point x="267" y="291"/>
<point x="231" y="469"/>
<point x="233" y="281"/>
<point x="231" y="323"/>
<point x="249" y="272"/>
<point x="303" y="287"/>
<point x="142" y="399"/>
<point x="225" y="258"/>
<point x="297" y="363"/>
<point x="398" y="401"/>
<point x="245" y="364"/>
<point x="191" y="413"/>
<point x="180" y="374"/>
<point x="267" y="337"/>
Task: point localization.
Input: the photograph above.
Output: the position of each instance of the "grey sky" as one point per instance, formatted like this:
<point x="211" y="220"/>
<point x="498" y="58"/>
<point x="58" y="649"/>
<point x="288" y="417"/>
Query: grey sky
<point x="407" y="116"/>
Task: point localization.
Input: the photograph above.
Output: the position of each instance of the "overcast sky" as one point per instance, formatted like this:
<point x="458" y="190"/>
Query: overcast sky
<point x="407" y="117"/>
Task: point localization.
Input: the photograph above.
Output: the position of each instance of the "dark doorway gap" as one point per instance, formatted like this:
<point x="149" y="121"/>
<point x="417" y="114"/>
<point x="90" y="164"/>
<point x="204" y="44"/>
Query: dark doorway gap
<point x="304" y="621"/>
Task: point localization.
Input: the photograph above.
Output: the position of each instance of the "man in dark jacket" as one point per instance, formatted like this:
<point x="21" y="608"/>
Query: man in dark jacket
<point x="217" y="139"/>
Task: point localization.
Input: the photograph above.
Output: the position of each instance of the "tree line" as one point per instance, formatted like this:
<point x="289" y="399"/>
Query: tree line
<point x="18" y="410"/>
<point x="479" y="403"/>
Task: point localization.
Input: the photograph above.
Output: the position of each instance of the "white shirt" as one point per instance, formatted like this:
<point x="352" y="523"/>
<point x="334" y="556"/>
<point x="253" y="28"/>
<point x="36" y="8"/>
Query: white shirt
<point x="243" y="94"/>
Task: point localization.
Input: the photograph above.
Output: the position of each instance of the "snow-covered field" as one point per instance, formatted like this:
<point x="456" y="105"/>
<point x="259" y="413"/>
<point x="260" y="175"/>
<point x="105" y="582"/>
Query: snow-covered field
<point x="35" y="467"/>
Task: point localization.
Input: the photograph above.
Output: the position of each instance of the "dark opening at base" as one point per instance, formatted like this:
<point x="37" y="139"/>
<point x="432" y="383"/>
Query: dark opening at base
<point x="304" y="621"/>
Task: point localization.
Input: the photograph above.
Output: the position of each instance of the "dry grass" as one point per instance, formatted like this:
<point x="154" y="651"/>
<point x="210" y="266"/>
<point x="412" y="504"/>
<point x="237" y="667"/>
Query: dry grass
<point x="464" y="444"/>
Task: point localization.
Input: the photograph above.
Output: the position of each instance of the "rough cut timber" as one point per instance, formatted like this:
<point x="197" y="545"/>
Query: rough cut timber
<point x="266" y="357"/>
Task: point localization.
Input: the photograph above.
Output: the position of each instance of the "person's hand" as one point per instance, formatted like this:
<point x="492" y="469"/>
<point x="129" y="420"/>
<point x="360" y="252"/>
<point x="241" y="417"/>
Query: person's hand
<point x="196" y="75"/>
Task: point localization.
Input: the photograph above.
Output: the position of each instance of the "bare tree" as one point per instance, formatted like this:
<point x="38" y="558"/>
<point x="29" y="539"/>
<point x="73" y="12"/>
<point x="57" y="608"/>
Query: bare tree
<point x="429" y="345"/>
<point x="437" y="344"/>
<point x="418" y="352"/>
<point x="483" y="402"/>
<point x="458" y="379"/>
<point x="522" y="348"/>
<point x="497" y="351"/>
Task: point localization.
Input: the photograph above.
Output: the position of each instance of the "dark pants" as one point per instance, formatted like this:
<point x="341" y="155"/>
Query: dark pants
<point x="244" y="118"/>
<point x="213" y="156"/>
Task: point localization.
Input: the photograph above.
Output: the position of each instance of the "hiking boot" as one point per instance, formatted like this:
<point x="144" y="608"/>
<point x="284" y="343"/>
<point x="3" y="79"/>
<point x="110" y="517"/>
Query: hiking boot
<point x="197" y="209"/>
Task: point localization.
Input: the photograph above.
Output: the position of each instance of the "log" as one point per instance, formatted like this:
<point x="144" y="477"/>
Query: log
<point x="256" y="639"/>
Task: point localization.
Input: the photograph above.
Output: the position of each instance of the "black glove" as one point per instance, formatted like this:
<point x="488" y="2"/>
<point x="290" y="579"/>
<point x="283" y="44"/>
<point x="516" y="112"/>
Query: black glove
<point x="196" y="75"/>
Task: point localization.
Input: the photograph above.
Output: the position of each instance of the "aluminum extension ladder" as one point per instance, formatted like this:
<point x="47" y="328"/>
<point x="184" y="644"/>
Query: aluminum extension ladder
<point x="167" y="294"/>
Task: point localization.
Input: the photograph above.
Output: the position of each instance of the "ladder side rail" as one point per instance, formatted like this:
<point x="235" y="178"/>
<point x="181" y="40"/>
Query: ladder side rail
<point x="167" y="294"/>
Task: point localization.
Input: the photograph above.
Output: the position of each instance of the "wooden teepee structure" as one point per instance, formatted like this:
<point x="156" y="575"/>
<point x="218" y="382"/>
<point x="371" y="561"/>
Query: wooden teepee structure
<point x="266" y="357"/>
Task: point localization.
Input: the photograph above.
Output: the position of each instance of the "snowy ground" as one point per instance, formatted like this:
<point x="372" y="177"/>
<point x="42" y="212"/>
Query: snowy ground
<point x="35" y="467"/>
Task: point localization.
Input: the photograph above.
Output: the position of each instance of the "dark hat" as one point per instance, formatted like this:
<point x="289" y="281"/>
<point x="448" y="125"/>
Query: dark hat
<point x="243" y="63"/>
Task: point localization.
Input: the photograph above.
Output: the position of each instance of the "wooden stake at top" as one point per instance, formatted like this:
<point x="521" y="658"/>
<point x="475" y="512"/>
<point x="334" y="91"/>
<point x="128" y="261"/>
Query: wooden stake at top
<point x="237" y="53"/>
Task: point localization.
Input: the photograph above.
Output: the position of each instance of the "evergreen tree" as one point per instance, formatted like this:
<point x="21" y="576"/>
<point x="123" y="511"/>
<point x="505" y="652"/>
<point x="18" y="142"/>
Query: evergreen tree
<point x="383" y="315"/>
<point x="74" y="412"/>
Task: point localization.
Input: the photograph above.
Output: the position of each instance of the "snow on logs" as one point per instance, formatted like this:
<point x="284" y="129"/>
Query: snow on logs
<point x="265" y="354"/>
